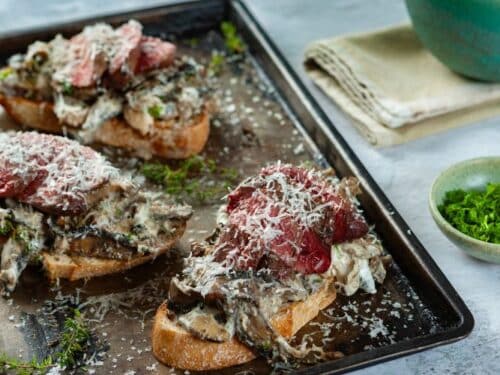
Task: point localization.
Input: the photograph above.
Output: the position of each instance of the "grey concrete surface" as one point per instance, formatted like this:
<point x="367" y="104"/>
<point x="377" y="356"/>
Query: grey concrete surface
<point x="404" y="172"/>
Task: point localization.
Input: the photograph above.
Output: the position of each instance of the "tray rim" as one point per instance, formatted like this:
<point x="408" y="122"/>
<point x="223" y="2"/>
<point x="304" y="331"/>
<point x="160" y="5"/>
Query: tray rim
<point x="439" y="280"/>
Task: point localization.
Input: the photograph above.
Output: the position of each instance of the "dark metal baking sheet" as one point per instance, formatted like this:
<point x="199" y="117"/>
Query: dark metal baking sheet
<point x="268" y="115"/>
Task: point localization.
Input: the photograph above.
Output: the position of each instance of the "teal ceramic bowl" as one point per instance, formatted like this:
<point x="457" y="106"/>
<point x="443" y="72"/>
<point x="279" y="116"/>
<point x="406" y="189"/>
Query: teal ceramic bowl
<point x="471" y="174"/>
<point x="462" y="34"/>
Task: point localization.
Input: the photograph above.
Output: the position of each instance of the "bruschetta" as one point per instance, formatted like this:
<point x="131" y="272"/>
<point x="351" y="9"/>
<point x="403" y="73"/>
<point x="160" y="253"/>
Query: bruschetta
<point x="288" y="240"/>
<point x="113" y="86"/>
<point x="63" y="204"/>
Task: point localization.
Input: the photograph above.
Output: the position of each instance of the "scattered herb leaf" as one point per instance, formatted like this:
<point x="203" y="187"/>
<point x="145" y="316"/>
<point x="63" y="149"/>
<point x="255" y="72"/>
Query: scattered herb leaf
<point x="195" y="179"/>
<point x="156" y="111"/>
<point x="26" y="238"/>
<point x="216" y="63"/>
<point x="5" y="72"/>
<point x="6" y="227"/>
<point x="67" y="88"/>
<point x="266" y="346"/>
<point x="475" y="213"/>
<point x="233" y="42"/>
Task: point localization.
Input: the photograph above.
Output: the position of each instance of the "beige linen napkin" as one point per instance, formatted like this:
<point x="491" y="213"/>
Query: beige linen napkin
<point x="394" y="89"/>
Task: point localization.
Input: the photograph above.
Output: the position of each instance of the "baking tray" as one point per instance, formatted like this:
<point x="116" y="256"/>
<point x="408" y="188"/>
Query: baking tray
<point x="268" y="115"/>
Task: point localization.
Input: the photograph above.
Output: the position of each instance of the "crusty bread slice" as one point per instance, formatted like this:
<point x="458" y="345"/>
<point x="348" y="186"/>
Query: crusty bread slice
<point x="167" y="140"/>
<point x="75" y="267"/>
<point x="177" y="348"/>
<point x="292" y="317"/>
<point x="33" y="114"/>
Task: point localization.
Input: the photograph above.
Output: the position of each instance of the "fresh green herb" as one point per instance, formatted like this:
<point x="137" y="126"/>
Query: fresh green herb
<point x="338" y="252"/>
<point x="266" y="346"/>
<point x="74" y="340"/>
<point x="72" y="344"/>
<point x="233" y="42"/>
<point x="230" y="174"/>
<point x="216" y="63"/>
<point x="475" y="213"/>
<point x="6" y="227"/>
<point x="67" y="88"/>
<point x="5" y="72"/>
<point x="19" y="367"/>
<point x="194" y="179"/>
<point x="156" y="111"/>
<point x="24" y="236"/>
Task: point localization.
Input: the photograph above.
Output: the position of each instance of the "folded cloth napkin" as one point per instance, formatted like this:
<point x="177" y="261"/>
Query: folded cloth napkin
<point x="394" y="89"/>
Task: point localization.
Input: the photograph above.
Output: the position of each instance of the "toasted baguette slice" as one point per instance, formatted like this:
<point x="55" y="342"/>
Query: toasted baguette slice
<point x="33" y="114"/>
<point x="168" y="141"/>
<point x="177" y="348"/>
<point x="75" y="267"/>
<point x="292" y="317"/>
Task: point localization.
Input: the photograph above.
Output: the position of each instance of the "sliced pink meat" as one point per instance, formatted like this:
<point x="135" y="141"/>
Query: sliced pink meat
<point x="341" y="217"/>
<point x="346" y="226"/>
<point x="116" y="54"/>
<point x="34" y="184"/>
<point x="49" y="172"/>
<point x="9" y="183"/>
<point x="315" y="256"/>
<point x="127" y="47"/>
<point x="154" y="53"/>
<point x="88" y="61"/>
<point x="82" y="67"/>
<point x="288" y="212"/>
<point x="99" y="48"/>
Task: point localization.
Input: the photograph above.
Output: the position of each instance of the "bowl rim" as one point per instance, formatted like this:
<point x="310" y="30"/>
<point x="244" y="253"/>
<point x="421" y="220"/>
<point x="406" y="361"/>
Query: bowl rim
<point x="442" y="221"/>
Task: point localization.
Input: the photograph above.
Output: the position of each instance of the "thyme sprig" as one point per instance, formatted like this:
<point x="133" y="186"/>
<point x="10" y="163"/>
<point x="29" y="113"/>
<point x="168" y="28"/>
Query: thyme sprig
<point x="73" y="343"/>
<point x="74" y="339"/>
<point x="19" y="367"/>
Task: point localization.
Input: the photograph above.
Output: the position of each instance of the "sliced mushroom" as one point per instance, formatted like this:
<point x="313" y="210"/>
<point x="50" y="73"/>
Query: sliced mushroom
<point x="181" y="295"/>
<point x="202" y="323"/>
<point x="252" y="329"/>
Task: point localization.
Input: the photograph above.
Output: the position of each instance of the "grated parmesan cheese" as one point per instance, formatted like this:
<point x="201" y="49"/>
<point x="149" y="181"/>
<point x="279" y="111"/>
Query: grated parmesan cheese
<point x="50" y="172"/>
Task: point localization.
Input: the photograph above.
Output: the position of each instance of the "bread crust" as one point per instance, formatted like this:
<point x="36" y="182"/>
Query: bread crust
<point x="292" y="317"/>
<point x="167" y="140"/>
<point x="30" y="113"/>
<point x="176" y="347"/>
<point x="73" y="267"/>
